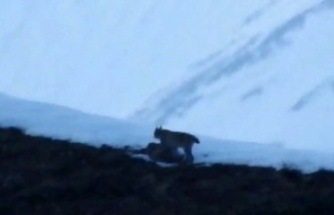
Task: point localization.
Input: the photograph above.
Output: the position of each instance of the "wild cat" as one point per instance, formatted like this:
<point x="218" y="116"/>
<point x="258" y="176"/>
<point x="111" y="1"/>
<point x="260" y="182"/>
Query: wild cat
<point x="174" y="140"/>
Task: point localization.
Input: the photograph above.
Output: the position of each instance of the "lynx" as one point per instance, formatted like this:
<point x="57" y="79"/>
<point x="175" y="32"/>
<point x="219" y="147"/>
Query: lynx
<point x="174" y="140"/>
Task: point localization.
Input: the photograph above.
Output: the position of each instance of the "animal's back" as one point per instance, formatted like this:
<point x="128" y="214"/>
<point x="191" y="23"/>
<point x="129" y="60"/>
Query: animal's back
<point x="177" y="138"/>
<point x="187" y="138"/>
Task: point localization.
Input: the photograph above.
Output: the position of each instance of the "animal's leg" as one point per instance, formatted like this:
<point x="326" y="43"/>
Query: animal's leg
<point x="157" y="153"/>
<point x="174" y="151"/>
<point x="189" y="158"/>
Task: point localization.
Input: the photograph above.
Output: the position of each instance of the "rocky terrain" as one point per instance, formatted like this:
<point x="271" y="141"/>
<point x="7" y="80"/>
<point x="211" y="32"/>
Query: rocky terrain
<point x="39" y="175"/>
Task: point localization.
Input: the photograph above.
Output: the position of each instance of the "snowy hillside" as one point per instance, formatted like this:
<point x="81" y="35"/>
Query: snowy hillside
<point x="275" y="84"/>
<point x="116" y="53"/>
<point x="67" y="124"/>
<point x="255" y="71"/>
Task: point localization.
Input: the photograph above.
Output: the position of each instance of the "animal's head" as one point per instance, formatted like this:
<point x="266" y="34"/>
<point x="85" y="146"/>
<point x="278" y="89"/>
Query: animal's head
<point x="157" y="132"/>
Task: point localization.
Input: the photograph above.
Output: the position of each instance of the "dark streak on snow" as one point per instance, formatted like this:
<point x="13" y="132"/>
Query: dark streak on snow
<point x="252" y="93"/>
<point x="308" y="97"/>
<point x="181" y="99"/>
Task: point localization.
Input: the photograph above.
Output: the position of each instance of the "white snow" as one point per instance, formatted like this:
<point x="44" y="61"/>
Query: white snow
<point x="116" y="53"/>
<point x="257" y="71"/>
<point x="64" y="123"/>
<point x="250" y="90"/>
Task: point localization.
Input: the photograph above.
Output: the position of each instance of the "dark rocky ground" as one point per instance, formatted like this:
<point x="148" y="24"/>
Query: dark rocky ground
<point x="44" y="176"/>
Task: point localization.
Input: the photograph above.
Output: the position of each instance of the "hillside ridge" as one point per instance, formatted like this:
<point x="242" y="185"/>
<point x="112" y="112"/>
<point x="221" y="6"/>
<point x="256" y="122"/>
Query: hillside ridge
<point x="40" y="175"/>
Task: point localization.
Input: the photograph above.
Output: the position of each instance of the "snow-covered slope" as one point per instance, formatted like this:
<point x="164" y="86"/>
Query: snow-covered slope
<point x="257" y="70"/>
<point x="273" y="85"/>
<point x="107" y="57"/>
<point x="69" y="124"/>
<point x="64" y="123"/>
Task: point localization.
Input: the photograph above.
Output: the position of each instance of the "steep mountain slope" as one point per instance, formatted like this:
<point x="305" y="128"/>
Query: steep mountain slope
<point x="108" y="57"/>
<point x="249" y="70"/>
<point x="273" y="85"/>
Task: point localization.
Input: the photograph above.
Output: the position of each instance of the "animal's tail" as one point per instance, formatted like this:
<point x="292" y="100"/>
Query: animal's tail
<point x="195" y="139"/>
